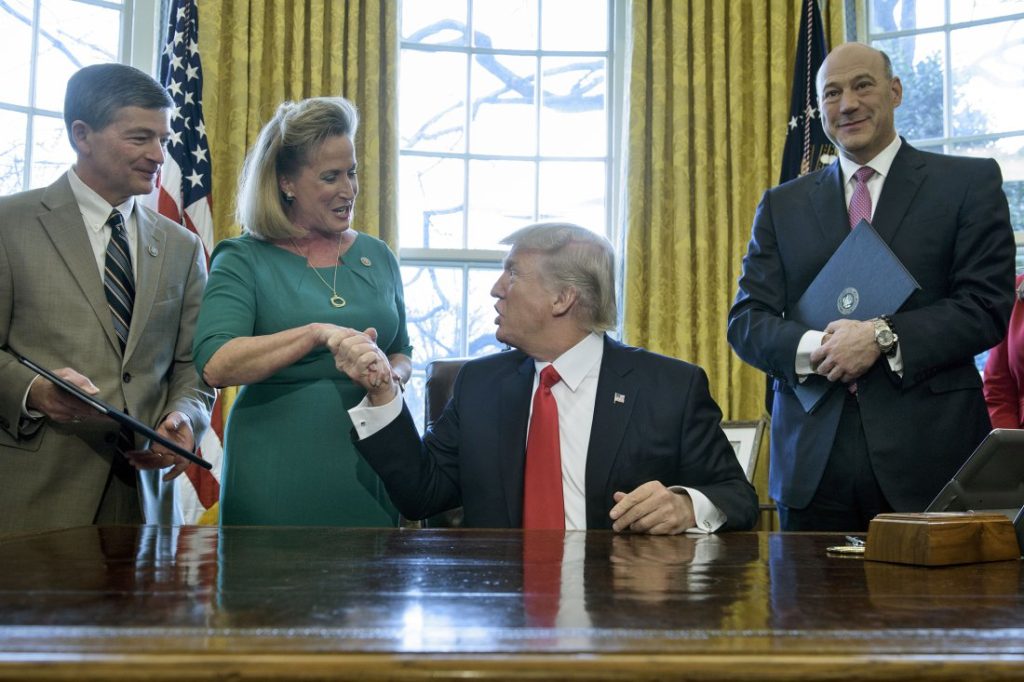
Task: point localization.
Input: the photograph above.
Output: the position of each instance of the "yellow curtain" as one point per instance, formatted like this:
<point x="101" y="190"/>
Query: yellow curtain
<point x="709" y="100"/>
<point x="257" y="54"/>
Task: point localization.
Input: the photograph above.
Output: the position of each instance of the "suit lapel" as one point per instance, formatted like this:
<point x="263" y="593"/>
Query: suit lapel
<point x="829" y="204"/>
<point x="64" y="225"/>
<point x="147" y="277"/>
<point x="617" y="391"/>
<point x="514" y="397"/>
<point x="901" y="185"/>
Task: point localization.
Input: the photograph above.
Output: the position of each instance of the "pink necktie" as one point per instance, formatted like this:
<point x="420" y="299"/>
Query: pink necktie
<point x="860" y="202"/>
<point x="542" y="492"/>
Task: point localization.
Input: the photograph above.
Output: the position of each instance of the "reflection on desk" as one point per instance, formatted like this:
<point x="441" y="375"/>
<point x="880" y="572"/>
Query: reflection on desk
<point x="204" y="603"/>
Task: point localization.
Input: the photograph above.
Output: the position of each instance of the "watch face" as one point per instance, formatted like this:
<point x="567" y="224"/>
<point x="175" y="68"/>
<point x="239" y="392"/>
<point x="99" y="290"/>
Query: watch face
<point x="884" y="338"/>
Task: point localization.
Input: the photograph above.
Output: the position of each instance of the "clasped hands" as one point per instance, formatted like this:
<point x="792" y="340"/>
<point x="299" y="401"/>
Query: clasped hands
<point x="64" y="408"/>
<point x="357" y="356"/>
<point x="847" y="350"/>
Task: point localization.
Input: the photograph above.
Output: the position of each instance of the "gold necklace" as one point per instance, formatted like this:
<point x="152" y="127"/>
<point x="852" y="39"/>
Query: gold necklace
<point x="336" y="300"/>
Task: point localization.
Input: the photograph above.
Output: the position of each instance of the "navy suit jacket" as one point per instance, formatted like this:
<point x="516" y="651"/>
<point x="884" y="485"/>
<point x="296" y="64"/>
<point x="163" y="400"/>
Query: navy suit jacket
<point x="947" y="220"/>
<point x="666" y="428"/>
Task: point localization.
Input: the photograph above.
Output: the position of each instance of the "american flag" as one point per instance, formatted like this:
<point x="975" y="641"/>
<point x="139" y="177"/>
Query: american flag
<point x="184" y="196"/>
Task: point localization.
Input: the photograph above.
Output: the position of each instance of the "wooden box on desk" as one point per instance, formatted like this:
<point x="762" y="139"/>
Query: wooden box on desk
<point x="941" y="538"/>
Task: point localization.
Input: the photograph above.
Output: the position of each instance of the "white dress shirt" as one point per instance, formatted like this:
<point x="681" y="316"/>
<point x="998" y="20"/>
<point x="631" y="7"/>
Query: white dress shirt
<point x="575" y="395"/>
<point x="95" y="211"/>
<point x="881" y="165"/>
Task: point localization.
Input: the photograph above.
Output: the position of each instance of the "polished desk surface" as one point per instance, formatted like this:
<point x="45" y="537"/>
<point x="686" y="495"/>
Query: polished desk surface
<point x="316" y="603"/>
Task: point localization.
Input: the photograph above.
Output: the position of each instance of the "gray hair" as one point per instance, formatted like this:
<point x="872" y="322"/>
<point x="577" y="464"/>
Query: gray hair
<point x="579" y="258"/>
<point x="283" y="147"/>
<point x="96" y="93"/>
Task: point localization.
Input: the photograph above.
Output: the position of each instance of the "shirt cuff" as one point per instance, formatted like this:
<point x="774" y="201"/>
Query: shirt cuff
<point x="707" y="516"/>
<point x="896" y="361"/>
<point x="808" y="342"/>
<point x="26" y="413"/>
<point x="368" y="419"/>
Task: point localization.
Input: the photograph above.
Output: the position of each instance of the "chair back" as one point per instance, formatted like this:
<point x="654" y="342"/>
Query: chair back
<point x="440" y="381"/>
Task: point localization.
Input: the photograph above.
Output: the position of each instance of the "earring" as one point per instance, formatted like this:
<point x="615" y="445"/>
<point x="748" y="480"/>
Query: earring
<point x="288" y="197"/>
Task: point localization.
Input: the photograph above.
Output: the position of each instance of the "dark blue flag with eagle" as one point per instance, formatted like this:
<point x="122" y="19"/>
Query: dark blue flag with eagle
<point x="807" y="149"/>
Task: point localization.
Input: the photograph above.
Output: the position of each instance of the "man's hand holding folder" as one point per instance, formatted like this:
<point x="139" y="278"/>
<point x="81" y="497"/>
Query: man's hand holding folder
<point x="176" y="428"/>
<point x="862" y="280"/>
<point x="46" y="397"/>
<point x="847" y="351"/>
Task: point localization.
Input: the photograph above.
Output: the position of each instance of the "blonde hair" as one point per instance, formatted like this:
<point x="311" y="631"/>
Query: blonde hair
<point x="281" y="150"/>
<point x="575" y="257"/>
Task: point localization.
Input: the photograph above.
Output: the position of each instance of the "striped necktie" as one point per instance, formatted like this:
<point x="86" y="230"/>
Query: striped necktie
<point x="118" y="279"/>
<point x="860" y="202"/>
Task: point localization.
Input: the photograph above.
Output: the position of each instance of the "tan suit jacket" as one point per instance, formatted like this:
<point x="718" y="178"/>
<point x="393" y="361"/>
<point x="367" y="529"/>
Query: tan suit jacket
<point x="53" y="310"/>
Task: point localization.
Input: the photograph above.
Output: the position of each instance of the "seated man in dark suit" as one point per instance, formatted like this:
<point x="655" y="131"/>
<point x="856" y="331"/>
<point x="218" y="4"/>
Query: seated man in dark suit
<point x="569" y="430"/>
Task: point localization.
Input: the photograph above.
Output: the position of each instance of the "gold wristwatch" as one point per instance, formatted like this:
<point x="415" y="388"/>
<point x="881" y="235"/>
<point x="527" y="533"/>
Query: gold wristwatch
<point x="885" y="337"/>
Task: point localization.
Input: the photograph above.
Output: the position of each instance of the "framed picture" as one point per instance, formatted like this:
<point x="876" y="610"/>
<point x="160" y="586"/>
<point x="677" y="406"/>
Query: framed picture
<point x="745" y="437"/>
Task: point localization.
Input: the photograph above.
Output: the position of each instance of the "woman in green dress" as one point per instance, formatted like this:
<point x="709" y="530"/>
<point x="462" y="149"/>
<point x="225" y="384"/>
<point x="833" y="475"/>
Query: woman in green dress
<point x="298" y="272"/>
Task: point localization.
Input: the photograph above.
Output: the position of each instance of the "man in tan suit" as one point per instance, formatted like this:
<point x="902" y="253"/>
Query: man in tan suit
<point x="60" y="463"/>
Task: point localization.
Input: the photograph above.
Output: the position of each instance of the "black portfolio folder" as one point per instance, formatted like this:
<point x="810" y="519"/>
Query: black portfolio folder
<point x="109" y="410"/>
<point x="862" y="280"/>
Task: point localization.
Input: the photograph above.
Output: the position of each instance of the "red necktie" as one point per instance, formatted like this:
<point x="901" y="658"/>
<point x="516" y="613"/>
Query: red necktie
<point x="542" y="492"/>
<point x="860" y="202"/>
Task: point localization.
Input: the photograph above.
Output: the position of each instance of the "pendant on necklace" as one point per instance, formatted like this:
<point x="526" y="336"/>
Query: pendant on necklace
<point x="337" y="301"/>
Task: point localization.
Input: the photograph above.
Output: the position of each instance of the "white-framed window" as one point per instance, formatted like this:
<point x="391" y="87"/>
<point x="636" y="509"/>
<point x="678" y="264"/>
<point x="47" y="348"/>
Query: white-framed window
<point x="963" y="80"/>
<point x="508" y="114"/>
<point x="960" y="62"/>
<point x="45" y="41"/>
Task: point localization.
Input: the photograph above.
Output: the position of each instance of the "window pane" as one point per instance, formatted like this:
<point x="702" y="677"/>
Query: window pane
<point x="574" y="25"/>
<point x="433" y="88"/>
<point x="433" y="303"/>
<point x="12" y="151"/>
<point x="415" y="393"/>
<point x="16" y="29"/>
<point x="431" y="207"/>
<point x="903" y="15"/>
<point x="434" y="21"/>
<point x="480" y="335"/>
<point x="574" y="192"/>
<point x="1009" y="152"/>
<point x="504" y="117"/>
<point x="988" y="81"/>
<point x="918" y="61"/>
<point x="72" y="35"/>
<point x="984" y="9"/>
<point x="51" y="151"/>
<point x="505" y="24"/>
<point x="501" y="199"/>
<point x="573" y="120"/>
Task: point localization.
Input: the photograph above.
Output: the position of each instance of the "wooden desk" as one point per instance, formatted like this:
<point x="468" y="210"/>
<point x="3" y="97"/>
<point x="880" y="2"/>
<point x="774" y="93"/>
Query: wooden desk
<point x="319" y="603"/>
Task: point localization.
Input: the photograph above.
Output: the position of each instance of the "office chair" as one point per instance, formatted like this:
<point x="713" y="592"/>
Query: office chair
<point x="440" y="380"/>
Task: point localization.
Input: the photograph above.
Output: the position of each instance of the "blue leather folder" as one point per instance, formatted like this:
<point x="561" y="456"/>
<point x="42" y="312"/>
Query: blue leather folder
<point x="862" y="280"/>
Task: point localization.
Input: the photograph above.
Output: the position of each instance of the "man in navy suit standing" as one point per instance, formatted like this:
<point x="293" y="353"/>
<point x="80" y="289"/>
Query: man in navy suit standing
<point x="570" y="429"/>
<point x="911" y="408"/>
